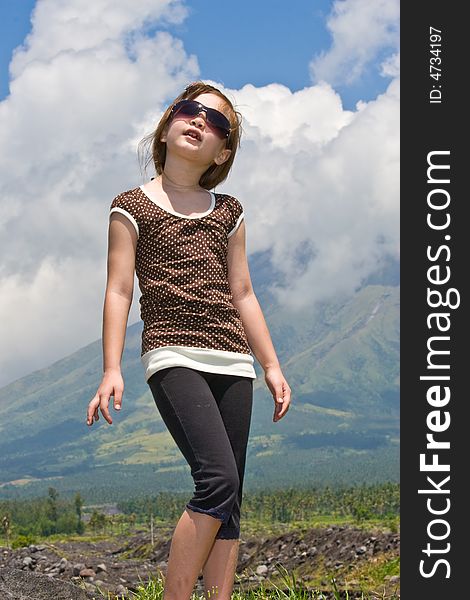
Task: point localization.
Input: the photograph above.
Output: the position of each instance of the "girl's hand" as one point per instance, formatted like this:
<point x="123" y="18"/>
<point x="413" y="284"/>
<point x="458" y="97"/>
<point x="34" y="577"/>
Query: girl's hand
<point x="280" y="390"/>
<point x="111" y="385"/>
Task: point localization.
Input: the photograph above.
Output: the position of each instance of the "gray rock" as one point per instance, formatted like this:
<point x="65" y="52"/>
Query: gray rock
<point x="42" y="557"/>
<point x="28" y="562"/>
<point x="121" y="590"/>
<point x="101" y="567"/>
<point x="63" y="564"/>
<point x="16" y="584"/>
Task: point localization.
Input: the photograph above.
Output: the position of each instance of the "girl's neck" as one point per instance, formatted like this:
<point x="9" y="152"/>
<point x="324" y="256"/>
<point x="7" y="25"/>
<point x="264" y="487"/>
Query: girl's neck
<point x="182" y="175"/>
<point x="166" y="180"/>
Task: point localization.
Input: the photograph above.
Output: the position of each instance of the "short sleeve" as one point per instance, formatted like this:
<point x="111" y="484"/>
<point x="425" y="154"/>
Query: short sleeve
<point x="236" y="215"/>
<point x="126" y="204"/>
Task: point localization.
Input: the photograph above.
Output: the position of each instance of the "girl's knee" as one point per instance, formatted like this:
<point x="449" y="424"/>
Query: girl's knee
<point x="232" y="482"/>
<point x="216" y="495"/>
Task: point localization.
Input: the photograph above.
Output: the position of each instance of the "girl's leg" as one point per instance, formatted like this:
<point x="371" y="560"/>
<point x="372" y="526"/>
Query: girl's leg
<point x="234" y="396"/>
<point x="190" y="411"/>
<point x="190" y="545"/>
<point x="220" y="568"/>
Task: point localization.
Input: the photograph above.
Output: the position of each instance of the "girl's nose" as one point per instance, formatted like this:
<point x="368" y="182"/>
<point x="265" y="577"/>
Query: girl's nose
<point x="199" y="120"/>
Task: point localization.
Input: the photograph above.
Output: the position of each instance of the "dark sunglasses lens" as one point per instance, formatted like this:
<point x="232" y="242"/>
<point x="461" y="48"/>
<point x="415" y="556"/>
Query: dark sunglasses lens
<point x="217" y="118"/>
<point x="185" y="108"/>
<point x="190" y="108"/>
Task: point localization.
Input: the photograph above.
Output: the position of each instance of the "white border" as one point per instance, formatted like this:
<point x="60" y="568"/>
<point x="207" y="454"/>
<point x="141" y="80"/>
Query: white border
<point x="128" y="215"/>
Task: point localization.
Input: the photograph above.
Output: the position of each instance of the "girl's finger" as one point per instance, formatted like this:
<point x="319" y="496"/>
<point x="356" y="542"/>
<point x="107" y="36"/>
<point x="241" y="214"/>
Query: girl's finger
<point x="104" y="409"/>
<point x="117" y="400"/>
<point x="277" y="410"/>
<point x="282" y="407"/>
<point x="91" y="409"/>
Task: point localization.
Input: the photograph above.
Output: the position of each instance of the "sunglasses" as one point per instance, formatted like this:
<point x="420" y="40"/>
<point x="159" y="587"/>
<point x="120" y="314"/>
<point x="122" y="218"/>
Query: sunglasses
<point x="192" y="108"/>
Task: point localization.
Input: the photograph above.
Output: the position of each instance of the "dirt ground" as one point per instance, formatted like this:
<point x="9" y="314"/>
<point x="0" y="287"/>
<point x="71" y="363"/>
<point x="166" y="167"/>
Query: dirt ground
<point x="119" y="564"/>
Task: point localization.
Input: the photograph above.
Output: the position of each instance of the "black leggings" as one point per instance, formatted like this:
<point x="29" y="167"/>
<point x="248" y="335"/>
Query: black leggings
<point x="209" y="416"/>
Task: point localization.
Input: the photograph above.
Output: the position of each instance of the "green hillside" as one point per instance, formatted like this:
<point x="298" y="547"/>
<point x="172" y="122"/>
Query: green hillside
<point x="341" y="361"/>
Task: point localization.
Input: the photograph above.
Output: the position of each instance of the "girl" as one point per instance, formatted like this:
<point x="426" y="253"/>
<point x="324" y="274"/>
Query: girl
<point x="201" y="322"/>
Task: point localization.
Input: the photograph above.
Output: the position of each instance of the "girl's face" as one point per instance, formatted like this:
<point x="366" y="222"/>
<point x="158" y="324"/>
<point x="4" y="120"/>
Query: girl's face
<point x="195" y="138"/>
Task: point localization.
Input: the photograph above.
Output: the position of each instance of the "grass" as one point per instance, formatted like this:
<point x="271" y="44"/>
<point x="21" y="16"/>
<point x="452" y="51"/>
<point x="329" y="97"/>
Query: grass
<point x="368" y="577"/>
<point x="288" y="589"/>
<point x="372" y="574"/>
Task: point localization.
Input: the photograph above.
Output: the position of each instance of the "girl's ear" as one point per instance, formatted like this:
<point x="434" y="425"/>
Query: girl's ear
<point x="222" y="157"/>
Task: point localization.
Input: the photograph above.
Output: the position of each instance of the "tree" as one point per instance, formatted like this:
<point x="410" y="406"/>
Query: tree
<point x="52" y="504"/>
<point x="6" y="529"/>
<point x="78" y="509"/>
<point x="97" y="521"/>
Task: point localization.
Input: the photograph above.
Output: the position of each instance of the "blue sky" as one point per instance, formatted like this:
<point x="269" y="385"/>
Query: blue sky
<point x="258" y="42"/>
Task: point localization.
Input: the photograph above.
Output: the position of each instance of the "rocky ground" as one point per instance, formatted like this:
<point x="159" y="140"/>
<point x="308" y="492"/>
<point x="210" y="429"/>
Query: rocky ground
<point x="80" y="570"/>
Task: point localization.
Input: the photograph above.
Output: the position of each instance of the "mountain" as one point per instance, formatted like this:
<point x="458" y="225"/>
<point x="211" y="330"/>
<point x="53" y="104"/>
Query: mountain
<point x="341" y="360"/>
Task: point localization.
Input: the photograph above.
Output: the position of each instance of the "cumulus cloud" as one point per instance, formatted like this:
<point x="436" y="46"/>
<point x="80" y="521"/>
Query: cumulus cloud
<point x="360" y="29"/>
<point x="320" y="187"/>
<point x="319" y="183"/>
<point x="391" y="66"/>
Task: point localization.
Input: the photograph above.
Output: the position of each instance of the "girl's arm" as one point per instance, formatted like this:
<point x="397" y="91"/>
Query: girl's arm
<point x="122" y="244"/>
<point x="259" y="339"/>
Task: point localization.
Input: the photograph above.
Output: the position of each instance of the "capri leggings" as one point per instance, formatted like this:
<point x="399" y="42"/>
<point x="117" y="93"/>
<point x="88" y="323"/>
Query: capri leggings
<point x="209" y="416"/>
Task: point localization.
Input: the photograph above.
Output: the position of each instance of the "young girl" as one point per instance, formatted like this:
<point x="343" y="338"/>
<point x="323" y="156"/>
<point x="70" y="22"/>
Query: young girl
<point x="201" y="321"/>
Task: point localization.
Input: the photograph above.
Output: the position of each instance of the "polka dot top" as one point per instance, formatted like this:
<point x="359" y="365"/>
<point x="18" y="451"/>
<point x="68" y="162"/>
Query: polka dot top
<point x="186" y="302"/>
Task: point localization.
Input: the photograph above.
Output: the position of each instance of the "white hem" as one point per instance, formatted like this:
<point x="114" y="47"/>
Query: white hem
<point x="239" y="220"/>
<point x="126" y="214"/>
<point x="202" y="359"/>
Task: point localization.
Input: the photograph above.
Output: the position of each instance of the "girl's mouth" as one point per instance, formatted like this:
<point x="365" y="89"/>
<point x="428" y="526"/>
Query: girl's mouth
<point x="194" y="134"/>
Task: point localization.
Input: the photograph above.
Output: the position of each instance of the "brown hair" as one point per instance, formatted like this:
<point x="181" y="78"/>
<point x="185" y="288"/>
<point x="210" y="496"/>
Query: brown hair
<point x="155" y="150"/>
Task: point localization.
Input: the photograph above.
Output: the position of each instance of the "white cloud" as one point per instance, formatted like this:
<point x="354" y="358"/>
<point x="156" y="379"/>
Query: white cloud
<point x="328" y="193"/>
<point x="311" y="116"/>
<point x="316" y="180"/>
<point x="391" y="66"/>
<point x="360" y="30"/>
<point x="76" y="26"/>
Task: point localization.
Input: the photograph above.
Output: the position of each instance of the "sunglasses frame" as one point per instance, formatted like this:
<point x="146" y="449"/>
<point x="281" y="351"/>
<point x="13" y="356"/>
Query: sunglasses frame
<point x="224" y="131"/>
